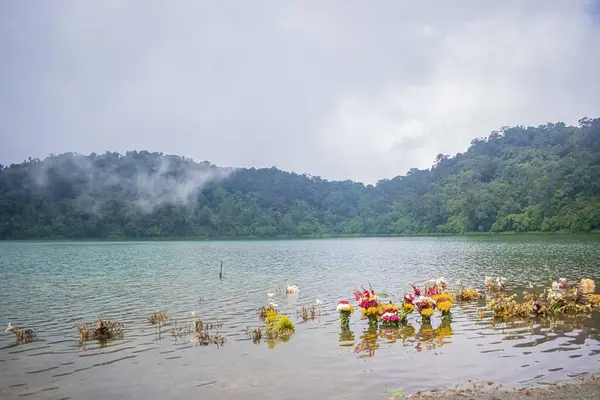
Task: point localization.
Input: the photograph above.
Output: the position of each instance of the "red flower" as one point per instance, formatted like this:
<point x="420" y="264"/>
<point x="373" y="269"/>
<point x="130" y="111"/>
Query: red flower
<point x="417" y="290"/>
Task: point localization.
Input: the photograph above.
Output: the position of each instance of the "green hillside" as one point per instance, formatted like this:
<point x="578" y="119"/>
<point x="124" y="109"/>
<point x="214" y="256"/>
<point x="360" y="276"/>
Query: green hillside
<point x="544" y="178"/>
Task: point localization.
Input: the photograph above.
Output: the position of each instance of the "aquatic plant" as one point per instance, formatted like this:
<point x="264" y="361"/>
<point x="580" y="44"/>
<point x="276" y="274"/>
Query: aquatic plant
<point x="256" y="335"/>
<point x="345" y="309"/>
<point x="370" y="304"/>
<point x="561" y="298"/>
<point x="262" y="312"/>
<point x="278" y="326"/>
<point x="595" y="301"/>
<point x="101" y="330"/>
<point x="310" y="312"/>
<point x="202" y="335"/>
<point x="181" y="329"/>
<point x="22" y="335"/>
<point x="158" y="318"/>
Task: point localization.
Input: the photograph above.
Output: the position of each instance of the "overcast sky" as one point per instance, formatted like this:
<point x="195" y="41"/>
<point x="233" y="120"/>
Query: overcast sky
<point x="340" y="89"/>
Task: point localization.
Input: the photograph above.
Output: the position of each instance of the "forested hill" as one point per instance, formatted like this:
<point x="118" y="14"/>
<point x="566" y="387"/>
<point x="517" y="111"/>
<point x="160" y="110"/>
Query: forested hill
<point x="544" y="178"/>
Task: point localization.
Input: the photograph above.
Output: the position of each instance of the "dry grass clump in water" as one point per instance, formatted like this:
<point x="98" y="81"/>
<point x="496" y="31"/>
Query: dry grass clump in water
<point x="202" y="335"/>
<point x="562" y="298"/>
<point x="497" y="285"/>
<point x="256" y="335"/>
<point x="309" y="312"/>
<point x="158" y="318"/>
<point x="262" y="312"/>
<point x="101" y="330"/>
<point x="22" y="335"/>
<point x="595" y="301"/>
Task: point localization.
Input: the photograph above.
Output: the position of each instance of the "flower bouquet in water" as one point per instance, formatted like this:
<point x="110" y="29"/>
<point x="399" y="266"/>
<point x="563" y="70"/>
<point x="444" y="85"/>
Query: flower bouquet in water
<point x="425" y="305"/>
<point x="345" y="309"/>
<point x="408" y="307"/>
<point x="443" y="302"/>
<point x="370" y="304"/>
<point x="389" y="316"/>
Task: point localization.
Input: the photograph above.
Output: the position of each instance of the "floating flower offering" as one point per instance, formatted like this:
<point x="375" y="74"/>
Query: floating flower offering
<point x="443" y="302"/>
<point x="345" y="309"/>
<point x="370" y="305"/>
<point x="426" y="306"/>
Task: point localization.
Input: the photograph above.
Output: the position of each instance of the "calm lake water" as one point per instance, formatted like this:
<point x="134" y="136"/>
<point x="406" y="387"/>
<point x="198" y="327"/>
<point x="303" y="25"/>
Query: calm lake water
<point x="53" y="287"/>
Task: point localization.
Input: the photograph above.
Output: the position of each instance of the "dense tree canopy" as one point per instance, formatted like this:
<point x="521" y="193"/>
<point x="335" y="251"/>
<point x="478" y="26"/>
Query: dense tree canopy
<point x="544" y="178"/>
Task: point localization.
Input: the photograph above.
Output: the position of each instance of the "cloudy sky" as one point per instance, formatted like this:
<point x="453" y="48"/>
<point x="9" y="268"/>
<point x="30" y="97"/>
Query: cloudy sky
<point x="339" y="89"/>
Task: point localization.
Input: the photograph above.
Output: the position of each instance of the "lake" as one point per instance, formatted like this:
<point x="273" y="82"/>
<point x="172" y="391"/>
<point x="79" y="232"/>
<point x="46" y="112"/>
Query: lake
<point x="55" y="286"/>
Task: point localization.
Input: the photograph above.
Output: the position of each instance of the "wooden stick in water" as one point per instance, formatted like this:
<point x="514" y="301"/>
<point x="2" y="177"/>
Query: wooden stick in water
<point x="221" y="271"/>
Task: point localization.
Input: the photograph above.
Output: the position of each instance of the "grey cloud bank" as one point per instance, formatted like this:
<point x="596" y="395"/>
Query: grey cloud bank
<point x="337" y="89"/>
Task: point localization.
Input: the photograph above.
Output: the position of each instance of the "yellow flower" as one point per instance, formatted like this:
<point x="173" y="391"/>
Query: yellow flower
<point x="408" y="308"/>
<point x="444" y="306"/>
<point x="427" y="312"/>
<point x="373" y="311"/>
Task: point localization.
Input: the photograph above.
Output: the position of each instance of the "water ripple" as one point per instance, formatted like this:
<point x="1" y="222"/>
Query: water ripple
<point x="62" y="285"/>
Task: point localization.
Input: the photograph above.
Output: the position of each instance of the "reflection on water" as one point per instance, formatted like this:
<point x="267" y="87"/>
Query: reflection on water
<point x="426" y="338"/>
<point x="54" y="287"/>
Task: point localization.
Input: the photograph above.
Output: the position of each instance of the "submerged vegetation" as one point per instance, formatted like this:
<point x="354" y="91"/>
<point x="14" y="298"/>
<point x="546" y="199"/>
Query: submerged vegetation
<point x="561" y="298"/>
<point x="101" y="330"/>
<point x="387" y="321"/>
<point x="158" y="318"/>
<point x="22" y="335"/>
<point x="518" y="179"/>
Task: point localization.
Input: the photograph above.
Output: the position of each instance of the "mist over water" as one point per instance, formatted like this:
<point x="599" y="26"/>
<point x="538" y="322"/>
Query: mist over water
<point x="54" y="286"/>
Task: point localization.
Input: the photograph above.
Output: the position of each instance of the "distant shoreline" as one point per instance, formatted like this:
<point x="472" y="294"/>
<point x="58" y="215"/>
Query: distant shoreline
<point x="286" y="238"/>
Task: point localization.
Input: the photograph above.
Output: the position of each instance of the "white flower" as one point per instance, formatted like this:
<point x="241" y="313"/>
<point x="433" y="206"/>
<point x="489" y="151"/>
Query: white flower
<point x="270" y="294"/>
<point x="318" y="302"/>
<point x="343" y="307"/>
<point x="272" y="304"/>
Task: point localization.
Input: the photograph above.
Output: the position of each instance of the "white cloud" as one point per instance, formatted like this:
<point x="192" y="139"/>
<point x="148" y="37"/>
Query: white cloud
<point x="339" y="89"/>
<point x="487" y="73"/>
